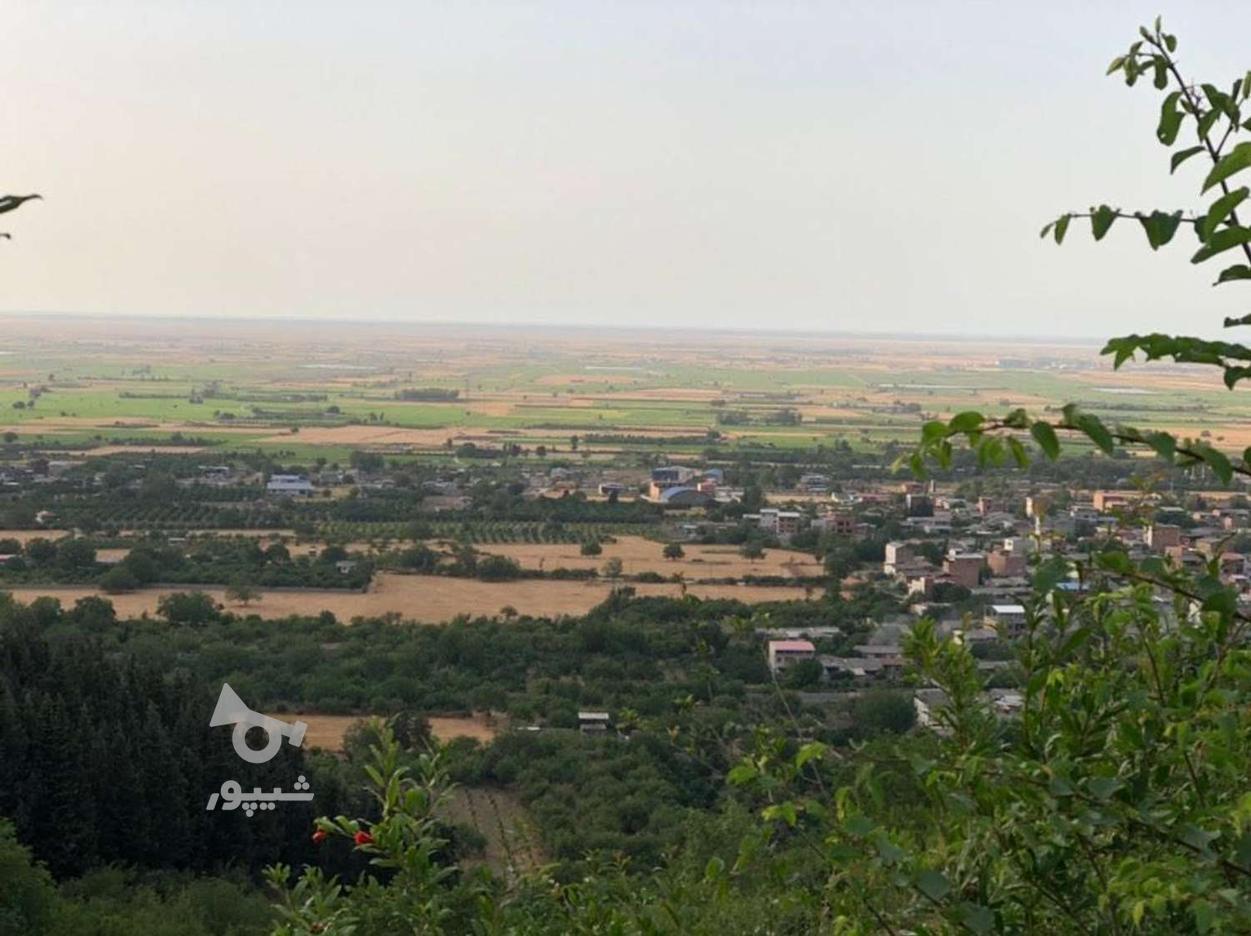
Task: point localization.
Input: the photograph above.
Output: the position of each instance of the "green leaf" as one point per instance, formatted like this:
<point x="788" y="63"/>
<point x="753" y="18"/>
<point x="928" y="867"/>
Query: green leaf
<point x="1218" y="462"/>
<point x="933" y="884"/>
<point x="1096" y="431"/>
<point x="1197" y="838"/>
<point x="1019" y="455"/>
<point x="1235" y="161"/>
<point x="1062" y="227"/>
<point x="1239" y="271"/>
<point x="1181" y="156"/>
<point x="859" y="826"/>
<point x="1046" y="438"/>
<point x="1160" y="227"/>
<point x="1101" y="220"/>
<point x="743" y="773"/>
<point x="1117" y="64"/>
<point x="1224" y="239"/>
<point x="969" y="421"/>
<point x="808" y="752"/>
<point x="11" y="202"/>
<point x="1164" y="444"/>
<point x="1161" y="73"/>
<point x="977" y="918"/>
<point x="1207" y="122"/>
<point x="1103" y="787"/>
<point x="1221" y="209"/>
<point x="1170" y="119"/>
<point x="785" y="811"/>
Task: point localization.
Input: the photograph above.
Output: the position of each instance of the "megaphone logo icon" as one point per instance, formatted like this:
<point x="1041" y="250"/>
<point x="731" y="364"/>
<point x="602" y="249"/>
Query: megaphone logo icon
<point x="230" y="710"/>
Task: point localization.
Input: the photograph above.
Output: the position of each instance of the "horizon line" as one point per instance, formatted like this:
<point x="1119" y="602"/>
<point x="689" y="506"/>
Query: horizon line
<point x="540" y="325"/>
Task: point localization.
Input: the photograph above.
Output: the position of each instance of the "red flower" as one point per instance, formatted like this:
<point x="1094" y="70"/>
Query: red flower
<point x="318" y="837"/>
<point x="362" y="838"/>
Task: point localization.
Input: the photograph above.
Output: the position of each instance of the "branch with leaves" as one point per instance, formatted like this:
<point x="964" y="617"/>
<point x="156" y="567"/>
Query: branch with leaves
<point x="12" y="203"/>
<point x="1217" y="117"/>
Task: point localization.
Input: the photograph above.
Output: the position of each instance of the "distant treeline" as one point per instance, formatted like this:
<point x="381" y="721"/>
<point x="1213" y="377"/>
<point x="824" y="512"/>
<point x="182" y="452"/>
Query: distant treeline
<point x="427" y="395"/>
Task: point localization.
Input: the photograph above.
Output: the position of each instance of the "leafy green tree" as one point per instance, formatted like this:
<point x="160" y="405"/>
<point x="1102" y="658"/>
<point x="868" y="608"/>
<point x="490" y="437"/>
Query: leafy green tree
<point x="75" y="554"/>
<point x="194" y="608"/>
<point x="751" y="551"/>
<point x="498" y="569"/>
<point x="41" y="552"/>
<point x="242" y="592"/>
<point x="591" y="547"/>
<point x="419" y="558"/>
<point x="119" y="580"/>
<point x="674" y="551"/>
<point x="805" y="674"/>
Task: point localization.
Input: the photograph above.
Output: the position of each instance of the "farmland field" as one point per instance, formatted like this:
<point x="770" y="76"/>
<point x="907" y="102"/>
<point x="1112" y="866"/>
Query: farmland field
<point x="641" y="555"/>
<point x="525" y="403"/>
<point x="327" y="731"/>
<point x="424" y="598"/>
<point x="193" y="387"/>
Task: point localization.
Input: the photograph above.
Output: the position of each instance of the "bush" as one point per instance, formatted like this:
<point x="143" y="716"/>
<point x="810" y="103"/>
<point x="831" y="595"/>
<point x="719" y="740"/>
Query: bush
<point x="498" y="569"/>
<point x="118" y="580"/>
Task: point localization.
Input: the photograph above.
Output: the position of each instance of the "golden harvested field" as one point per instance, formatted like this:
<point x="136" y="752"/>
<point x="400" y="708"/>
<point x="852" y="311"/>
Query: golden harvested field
<point x="327" y="731"/>
<point x="642" y="555"/>
<point x="425" y="598"/>
<point x="25" y="536"/>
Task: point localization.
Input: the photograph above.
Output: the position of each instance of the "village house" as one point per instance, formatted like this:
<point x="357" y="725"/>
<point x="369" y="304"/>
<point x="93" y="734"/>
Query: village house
<point x="964" y="568"/>
<point x="289" y="485"/>
<point x="1008" y="619"/>
<point x="593" y="722"/>
<point x="858" y="668"/>
<point x="783" y="654"/>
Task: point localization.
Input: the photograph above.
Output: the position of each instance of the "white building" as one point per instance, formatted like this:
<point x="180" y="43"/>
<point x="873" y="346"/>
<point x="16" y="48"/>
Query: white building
<point x="289" y="486"/>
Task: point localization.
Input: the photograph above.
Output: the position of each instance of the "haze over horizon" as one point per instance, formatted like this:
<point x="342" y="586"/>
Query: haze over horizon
<point x="848" y="168"/>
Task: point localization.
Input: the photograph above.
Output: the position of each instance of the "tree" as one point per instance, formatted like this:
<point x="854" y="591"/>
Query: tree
<point x="803" y="675"/>
<point x="751" y="551"/>
<point x="92" y="613"/>
<point x="674" y="551"/>
<point x="75" y="554"/>
<point x="119" y="580"/>
<point x="612" y="569"/>
<point x="419" y="558"/>
<point x="591" y="547"/>
<point x="368" y="462"/>
<point x="333" y="553"/>
<point x="1126" y="794"/>
<point x="881" y="711"/>
<point x="498" y="569"/>
<point x="194" y="608"/>
<point x="41" y="552"/>
<point x="242" y="592"/>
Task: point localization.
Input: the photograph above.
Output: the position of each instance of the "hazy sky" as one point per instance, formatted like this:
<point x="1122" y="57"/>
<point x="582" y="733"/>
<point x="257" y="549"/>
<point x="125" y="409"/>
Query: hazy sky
<point x="868" y="166"/>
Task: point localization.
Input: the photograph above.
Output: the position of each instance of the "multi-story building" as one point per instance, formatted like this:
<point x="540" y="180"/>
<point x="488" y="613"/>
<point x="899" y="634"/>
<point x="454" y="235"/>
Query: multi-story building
<point x="786" y="653"/>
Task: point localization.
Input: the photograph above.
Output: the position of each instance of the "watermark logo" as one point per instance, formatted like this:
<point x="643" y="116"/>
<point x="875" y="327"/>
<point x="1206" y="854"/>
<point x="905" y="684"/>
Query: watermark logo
<point x="230" y="710"/>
